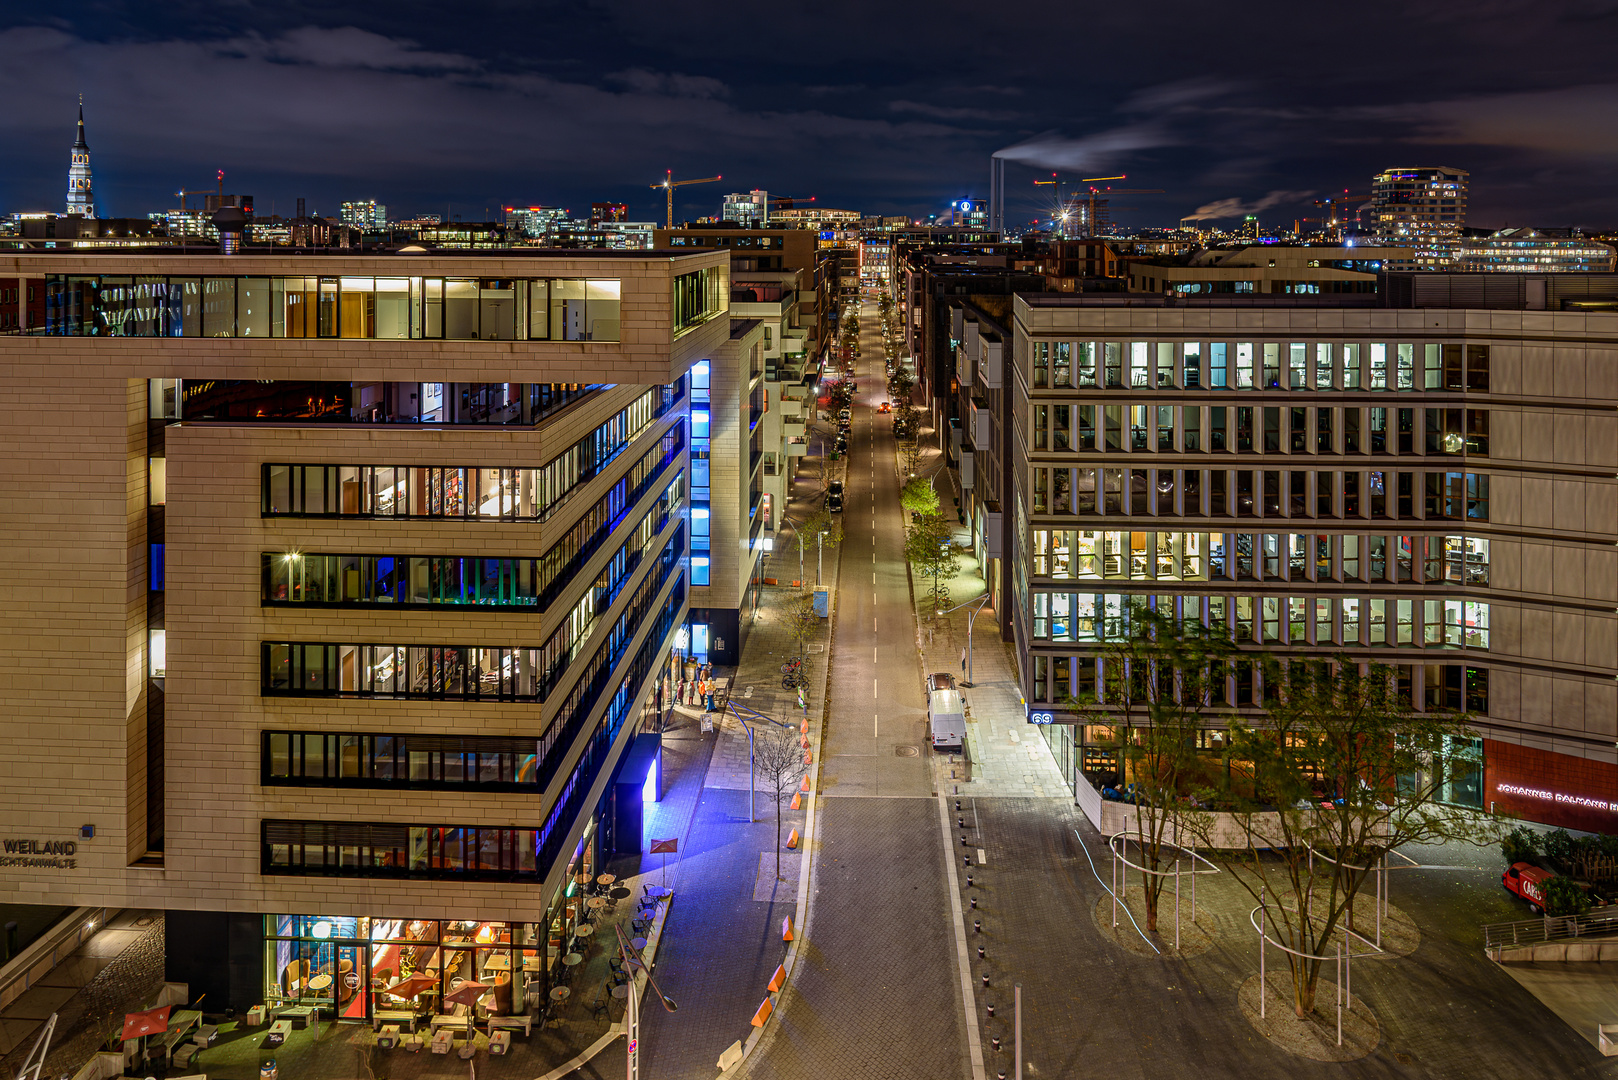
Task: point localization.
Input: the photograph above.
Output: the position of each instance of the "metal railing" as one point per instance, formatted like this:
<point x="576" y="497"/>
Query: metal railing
<point x="51" y="948"/>
<point x="1548" y="928"/>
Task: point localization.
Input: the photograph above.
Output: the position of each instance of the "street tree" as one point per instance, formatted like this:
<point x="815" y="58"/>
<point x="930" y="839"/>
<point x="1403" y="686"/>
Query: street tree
<point x="820" y="530"/>
<point x="802" y="621"/>
<point x="931" y="554"/>
<point x="1336" y="772"/>
<point x="778" y="761"/>
<point x="1162" y="680"/>
<point x="918" y="496"/>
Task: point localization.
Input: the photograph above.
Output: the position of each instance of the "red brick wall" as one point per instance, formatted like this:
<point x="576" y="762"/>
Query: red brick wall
<point x="1575" y="793"/>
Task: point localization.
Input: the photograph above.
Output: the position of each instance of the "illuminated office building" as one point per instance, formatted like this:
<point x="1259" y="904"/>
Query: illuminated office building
<point x="1422" y="208"/>
<point x="323" y="633"/>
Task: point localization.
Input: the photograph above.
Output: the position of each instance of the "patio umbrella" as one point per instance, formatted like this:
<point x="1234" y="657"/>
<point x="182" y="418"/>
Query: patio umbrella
<point x="466" y="994"/>
<point x="150" y="1022"/>
<point x="412" y="986"/>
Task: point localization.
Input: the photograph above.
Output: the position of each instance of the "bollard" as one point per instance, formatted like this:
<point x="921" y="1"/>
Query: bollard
<point x="974" y="903"/>
<point x="991" y="1010"/>
<point x="964" y="843"/>
<point x="957" y="804"/>
<point x="996" y="1042"/>
<point x="980" y="952"/>
<point x="985" y="982"/>
<point x="968" y="859"/>
<point x="960" y="823"/>
<point x="977" y="926"/>
<point x="969" y="881"/>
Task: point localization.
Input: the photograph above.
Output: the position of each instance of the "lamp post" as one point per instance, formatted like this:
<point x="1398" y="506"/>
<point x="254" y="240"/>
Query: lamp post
<point x="634" y="963"/>
<point x="970" y="619"/>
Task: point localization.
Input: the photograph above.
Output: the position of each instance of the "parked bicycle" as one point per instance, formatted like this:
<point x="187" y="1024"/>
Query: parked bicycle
<point x="794" y="663"/>
<point x="793" y="680"/>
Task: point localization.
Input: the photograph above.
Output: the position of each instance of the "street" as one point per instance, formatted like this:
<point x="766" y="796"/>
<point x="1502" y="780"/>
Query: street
<point x="878" y="993"/>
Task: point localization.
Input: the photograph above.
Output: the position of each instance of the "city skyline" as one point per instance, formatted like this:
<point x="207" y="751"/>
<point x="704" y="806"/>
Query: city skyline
<point x="869" y="121"/>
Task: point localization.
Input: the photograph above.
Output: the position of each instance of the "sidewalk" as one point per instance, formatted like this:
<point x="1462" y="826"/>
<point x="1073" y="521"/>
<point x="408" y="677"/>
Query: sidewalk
<point x="724" y="940"/>
<point x="1005" y="754"/>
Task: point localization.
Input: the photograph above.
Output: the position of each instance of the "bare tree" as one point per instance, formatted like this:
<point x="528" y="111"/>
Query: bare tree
<point x="778" y="759"/>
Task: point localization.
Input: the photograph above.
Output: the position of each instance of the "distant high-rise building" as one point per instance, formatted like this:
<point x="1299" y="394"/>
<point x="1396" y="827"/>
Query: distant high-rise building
<point x="602" y="212"/>
<point x="364" y="214"/>
<point x="534" y="222"/>
<point x="969" y="212"/>
<point x="1422" y="208"/>
<point x="750" y="209"/>
<point x="80" y="200"/>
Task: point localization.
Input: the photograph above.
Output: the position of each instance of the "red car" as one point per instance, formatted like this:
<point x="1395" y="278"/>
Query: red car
<point x="886" y="406"/>
<point x="1528" y="882"/>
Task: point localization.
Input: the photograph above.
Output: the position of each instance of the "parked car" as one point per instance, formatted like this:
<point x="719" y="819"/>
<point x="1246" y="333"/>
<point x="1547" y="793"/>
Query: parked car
<point x="842" y="442"/>
<point x="940" y="680"/>
<point x="834" y="496"/>
<point x="1528" y="882"/>
<point x="846" y="414"/>
<point x="886" y="406"/>
<point x="946" y="719"/>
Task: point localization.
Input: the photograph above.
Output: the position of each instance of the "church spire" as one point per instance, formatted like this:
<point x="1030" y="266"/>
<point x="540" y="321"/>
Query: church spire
<point x="80" y="199"/>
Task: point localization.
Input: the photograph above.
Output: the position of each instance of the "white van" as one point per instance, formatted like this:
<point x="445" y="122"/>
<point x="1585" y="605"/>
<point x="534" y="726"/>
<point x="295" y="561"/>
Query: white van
<point x="946" y="719"/>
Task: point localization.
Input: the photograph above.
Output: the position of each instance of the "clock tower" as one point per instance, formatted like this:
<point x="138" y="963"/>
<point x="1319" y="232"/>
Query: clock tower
<point x="80" y="200"/>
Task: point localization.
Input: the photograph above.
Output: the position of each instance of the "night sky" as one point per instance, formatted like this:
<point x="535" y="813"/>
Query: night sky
<point x="890" y="108"/>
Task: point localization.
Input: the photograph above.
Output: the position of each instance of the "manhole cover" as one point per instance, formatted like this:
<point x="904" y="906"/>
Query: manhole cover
<point x="906" y="751"/>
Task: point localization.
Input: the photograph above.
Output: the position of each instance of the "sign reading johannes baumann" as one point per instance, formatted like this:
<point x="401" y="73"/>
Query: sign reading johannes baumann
<point x="49" y="854"/>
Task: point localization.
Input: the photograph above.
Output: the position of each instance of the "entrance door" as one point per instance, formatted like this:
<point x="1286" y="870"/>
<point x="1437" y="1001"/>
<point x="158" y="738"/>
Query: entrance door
<point x="353" y="976"/>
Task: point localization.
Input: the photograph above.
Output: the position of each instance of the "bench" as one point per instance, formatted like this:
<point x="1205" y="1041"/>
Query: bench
<point x="298" y="1014"/>
<point x="499" y="1041"/>
<point x="403" y="1017"/>
<point x="442" y="1020"/>
<point x="278" y="1033"/>
<point x="389" y="1038"/>
<point x="443" y="1039"/>
<point x="521" y="1020"/>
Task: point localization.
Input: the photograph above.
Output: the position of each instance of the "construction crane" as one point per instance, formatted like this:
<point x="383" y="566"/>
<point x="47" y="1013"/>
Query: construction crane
<point x="1336" y="210"/>
<point x="1095" y="218"/>
<point x="669" y="184"/>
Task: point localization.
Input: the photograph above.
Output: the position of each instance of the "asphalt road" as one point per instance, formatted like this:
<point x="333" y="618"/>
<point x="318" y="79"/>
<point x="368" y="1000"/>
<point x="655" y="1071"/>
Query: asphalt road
<point x="878" y="993"/>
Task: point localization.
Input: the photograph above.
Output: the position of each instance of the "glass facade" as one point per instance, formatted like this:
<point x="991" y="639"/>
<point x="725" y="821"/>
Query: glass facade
<point x="377" y="308"/>
<point x="496" y="494"/>
<point x="701" y="449"/>
<point x="245" y="401"/>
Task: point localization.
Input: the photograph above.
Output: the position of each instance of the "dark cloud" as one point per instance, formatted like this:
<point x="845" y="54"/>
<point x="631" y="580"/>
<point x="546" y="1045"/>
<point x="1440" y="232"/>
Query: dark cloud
<point x="884" y="108"/>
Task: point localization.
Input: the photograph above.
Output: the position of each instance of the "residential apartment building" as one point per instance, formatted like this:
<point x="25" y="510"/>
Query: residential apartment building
<point x="1422" y="208"/>
<point x="339" y="588"/>
<point x="1424" y="477"/>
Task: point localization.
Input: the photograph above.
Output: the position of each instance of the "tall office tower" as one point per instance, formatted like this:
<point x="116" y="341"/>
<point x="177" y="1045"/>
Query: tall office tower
<point x="367" y="214"/>
<point x="603" y="212"/>
<point x="349" y="655"/>
<point x="1388" y="478"/>
<point x="80" y="199"/>
<point x="750" y="209"/>
<point x="1422" y="208"/>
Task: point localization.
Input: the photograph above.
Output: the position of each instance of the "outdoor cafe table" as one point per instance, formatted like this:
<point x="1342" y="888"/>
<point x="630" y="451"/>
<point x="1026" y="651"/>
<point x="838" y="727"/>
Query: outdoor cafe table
<point x="573" y="959"/>
<point x="584" y="929"/>
<point x="560" y="993"/>
<point x="621" y="992"/>
<point x="606" y="879"/>
<point x="596" y="902"/>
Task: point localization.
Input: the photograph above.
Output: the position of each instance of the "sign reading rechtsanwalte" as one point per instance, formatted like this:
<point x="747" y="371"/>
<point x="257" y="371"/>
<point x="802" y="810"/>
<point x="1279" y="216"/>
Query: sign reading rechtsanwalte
<point x="45" y="854"/>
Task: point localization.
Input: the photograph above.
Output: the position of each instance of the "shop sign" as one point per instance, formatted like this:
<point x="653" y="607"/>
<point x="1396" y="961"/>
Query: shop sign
<point x="1041" y="718"/>
<point x="46" y="854"/>
<point x="1563" y="798"/>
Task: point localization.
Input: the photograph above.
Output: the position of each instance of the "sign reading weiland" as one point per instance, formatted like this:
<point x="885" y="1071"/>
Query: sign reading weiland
<point x="50" y="854"/>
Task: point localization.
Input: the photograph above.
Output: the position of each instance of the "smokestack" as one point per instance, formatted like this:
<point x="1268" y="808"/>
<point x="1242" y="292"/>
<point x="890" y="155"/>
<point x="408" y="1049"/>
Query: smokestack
<point x="997" y="194"/>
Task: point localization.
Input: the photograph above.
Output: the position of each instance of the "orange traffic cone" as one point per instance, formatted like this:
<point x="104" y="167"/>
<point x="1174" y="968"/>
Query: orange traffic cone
<point x="797" y="800"/>
<point x="804" y="742"/>
<point x="778" y="980"/>
<point x="805" y="785"/>
<point x="804" y="728"/>
<point x="763" y="1013"/>
<point x="808" y="757"/>
<point x="792" y="839"/>
<point x="786" y="928"/>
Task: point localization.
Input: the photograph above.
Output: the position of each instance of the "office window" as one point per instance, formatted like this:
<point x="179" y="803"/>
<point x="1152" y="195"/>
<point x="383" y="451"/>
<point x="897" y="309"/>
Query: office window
<point x="1298" y="365"/>
<point x="1217" y="372"/>
<point x="1351" y="367"/>
<point x="1323" y="366"/>
<point x="1087" y="365"/>
<point x="1244" y="365"/>
<point x="1191" y="360"/>
<point x="1042" y="363"/>
<point x="1138" y="360"/>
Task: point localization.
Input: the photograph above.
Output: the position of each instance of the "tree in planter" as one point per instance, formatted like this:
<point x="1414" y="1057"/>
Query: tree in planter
<point x="1520" y="844"/>
<point x="1564" y="896"/>
<point x="919" y="497"/>
<point x="930" y="553"/>
<point x="778" y="762"/>
<point x="1161" y="680"/>
<point x="1340" y="771"/>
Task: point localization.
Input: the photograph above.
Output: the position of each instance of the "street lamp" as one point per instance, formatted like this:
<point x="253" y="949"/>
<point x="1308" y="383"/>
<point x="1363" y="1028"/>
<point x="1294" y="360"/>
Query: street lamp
<point x="632" y="964"/>
<point x="970" y="619"/>
<point x="752" y="795"/>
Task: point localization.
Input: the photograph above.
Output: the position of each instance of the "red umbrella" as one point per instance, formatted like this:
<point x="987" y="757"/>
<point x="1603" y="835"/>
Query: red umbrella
<point x="150" y="1022"/>
<point x="466" y="994"/>
<point x="412" y="986"/>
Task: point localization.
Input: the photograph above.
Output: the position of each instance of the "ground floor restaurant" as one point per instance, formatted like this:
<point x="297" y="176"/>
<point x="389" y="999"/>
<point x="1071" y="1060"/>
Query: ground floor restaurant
<point x="386" y="966"/>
